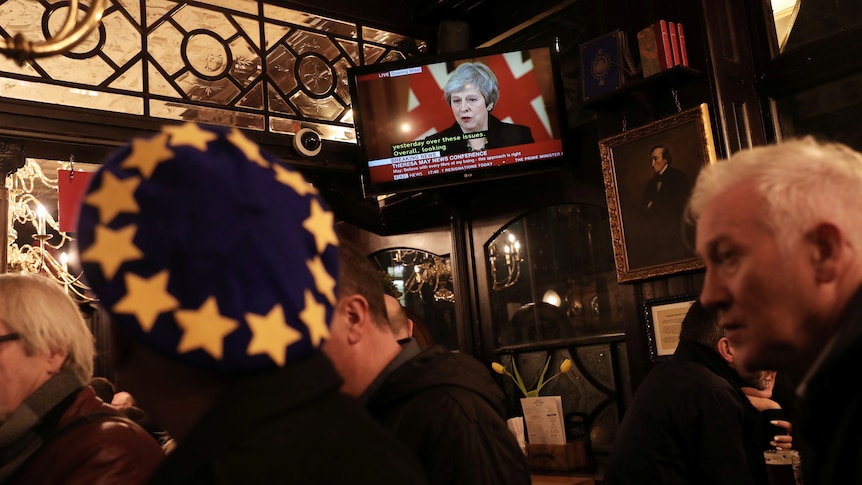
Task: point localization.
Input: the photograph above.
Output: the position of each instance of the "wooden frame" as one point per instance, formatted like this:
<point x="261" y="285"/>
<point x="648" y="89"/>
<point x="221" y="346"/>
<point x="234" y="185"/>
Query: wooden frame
<point x="663" y="318"/>
<point x="649" y="235"/>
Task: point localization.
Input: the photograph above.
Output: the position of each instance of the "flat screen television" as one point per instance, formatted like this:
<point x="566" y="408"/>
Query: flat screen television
<point x="411" y="137"/>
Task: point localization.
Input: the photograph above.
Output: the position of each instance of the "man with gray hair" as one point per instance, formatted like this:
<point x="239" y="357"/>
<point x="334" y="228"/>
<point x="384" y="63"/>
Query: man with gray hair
<point x="779" y="229"/>
<point x="53" y="428"/>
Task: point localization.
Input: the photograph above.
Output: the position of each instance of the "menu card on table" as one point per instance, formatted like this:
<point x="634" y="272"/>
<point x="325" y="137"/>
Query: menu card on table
<point x="544" y="419"/>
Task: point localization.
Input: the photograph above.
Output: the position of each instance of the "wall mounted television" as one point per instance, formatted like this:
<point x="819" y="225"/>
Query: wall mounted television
<point x="411" y="138"/>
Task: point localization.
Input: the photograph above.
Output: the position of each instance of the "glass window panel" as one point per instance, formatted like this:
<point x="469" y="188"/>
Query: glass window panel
<point x="133" y="7"/>
<point x="254" y="98"/>
<point x="327" y="132"/>
<point x="122" y="40"/>
<point x="352" y="50"/>
<point x="131" y="80"/>
<point x="245" y="6"/>
<point x="81" y="98"/>
<point x="388" y="38"/>
<point x="337" y="27"/>
<point x="372" y="53"/>
<point x="246" y="65"/>
<point x="191" y="18"/>
<point x="322" y="109"/>
<point x="305" y="42"/>
<point x="164" y="47"/>
<point x="180" y="111"/>
<point x="251" y="29"/>
<point x="222" y="66"/>
<point x="548" y="289"/>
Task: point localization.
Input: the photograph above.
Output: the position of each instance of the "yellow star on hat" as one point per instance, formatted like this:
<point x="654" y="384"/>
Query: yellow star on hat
<point x="320" y="225"/>
<point x="147" y="154"/>
<point x="294" y="180"/>
<point x="314" y="318"/>
<point x="249" y="149"/>
<point x="271" y="334"/>
<point x="190" y="134"/>
<point x="114" y="196"/>
<point x="110" y="249"/>
<point x="204" y="328"/>
<point x="324" y="282"/>
<point x="146" y="298"/>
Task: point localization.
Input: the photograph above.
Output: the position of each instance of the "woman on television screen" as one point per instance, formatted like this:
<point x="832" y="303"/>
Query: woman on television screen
<point x="472" y="92"/>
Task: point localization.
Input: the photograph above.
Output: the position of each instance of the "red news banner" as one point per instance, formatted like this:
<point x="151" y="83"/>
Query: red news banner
<point x="421" y="158"/>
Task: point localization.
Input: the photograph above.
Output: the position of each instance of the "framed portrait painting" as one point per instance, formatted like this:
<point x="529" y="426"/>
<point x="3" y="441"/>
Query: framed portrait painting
<point x="648" y="174"/>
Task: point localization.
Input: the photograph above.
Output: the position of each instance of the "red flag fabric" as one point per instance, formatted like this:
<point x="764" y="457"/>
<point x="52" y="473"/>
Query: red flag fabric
<point x="70" y="190"/>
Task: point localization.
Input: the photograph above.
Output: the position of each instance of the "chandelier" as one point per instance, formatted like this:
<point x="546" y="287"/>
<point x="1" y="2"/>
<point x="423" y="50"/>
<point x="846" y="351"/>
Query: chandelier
<point x="47" y="253"/>
<point x="510" y="261"/>
<point x="423" y="270"/>
<point x="70" y="34"/>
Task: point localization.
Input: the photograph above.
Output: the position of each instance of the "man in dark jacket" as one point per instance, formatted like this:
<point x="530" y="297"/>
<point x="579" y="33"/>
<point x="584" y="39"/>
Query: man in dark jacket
<point x="53" y="428"/>
<point x="217" y="265"/>
<point x="689" y="421"/>
<point x="780" y="232"/>
<point x="445" y="407"/>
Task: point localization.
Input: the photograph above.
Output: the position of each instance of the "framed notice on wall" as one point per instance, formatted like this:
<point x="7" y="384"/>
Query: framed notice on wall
<point x="663" y="321"/>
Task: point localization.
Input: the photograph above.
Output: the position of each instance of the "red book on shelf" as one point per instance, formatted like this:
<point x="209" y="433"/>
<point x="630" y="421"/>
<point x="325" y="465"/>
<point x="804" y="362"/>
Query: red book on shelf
<point x="674" y="43"/>
<point x="665" y="42"/>
<point x="683" y="52"/>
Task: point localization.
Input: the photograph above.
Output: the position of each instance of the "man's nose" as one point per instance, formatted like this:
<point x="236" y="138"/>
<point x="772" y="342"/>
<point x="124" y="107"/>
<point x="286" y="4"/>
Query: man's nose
<point x="714" y="294"/>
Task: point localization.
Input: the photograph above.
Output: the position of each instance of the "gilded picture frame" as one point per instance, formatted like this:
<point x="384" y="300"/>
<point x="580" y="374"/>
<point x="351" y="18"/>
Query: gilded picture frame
<point x="649" y="234"/>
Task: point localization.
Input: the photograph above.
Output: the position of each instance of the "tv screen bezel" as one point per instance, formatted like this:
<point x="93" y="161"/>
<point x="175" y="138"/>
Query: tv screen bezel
<point x="415" y="184"/>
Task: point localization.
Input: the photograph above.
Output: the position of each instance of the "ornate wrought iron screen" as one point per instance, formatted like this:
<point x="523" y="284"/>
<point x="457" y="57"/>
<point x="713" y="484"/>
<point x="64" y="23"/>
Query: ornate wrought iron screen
<point x="231" y="62"/>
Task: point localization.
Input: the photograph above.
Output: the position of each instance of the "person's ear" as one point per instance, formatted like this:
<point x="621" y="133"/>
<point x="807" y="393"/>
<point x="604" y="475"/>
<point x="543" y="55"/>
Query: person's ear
<point x="490" y="106"/>
<point x="409" y="327"/>
<point x="55" y="360"/>
<point x="355" y="308"/>
<point x="828" y="251"/>
<point x="725" y="350"/>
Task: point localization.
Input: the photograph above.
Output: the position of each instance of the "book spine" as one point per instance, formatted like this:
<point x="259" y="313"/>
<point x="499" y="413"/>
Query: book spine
<point x="655" y="30"/>
<point x="665" y="43"/>
<point x="683" y="51"/>
<point x="674" y="43"/>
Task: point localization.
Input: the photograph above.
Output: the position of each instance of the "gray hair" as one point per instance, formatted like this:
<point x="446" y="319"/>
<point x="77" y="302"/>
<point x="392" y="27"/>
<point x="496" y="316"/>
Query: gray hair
<point x="803" y="181"/>
<point x="47" y="320"/>
<point x="474" y="74"/>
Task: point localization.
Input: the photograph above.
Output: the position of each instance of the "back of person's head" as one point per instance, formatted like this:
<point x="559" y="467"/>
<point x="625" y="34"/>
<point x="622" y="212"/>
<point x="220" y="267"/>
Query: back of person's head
<point x="803" y="181"/>
<point x="103" y="388"/>
<point x="357" y="276"/>
<point x="701" y="325"/>
<point x="475" y="75"/>
<point x="399" y="322"/>
<point x="123" y="399"/>
<point x="47" y="320"/>
<point x="209" y="251"/>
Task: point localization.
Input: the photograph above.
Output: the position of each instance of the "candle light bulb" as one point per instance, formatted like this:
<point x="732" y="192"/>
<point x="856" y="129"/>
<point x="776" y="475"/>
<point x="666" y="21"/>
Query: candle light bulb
<point x="40" y="219"/>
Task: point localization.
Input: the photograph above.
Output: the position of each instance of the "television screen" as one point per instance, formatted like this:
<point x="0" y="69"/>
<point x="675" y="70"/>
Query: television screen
<point x="455" y="118"/>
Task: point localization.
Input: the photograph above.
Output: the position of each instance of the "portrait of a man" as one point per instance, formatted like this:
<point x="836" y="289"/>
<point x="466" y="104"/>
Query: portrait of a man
<point x="649" y="172"/>
<point x="663" y="205"/>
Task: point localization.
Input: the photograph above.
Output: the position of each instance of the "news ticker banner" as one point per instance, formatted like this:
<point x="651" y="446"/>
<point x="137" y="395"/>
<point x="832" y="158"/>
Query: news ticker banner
<point x="416" y="163"/>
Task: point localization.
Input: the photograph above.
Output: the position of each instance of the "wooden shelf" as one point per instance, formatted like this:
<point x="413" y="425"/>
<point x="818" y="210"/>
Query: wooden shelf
<point x="643" y="90"/>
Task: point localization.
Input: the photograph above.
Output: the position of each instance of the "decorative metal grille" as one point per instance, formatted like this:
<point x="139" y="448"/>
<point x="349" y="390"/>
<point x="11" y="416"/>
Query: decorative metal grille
<point x="230" y="62"/>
